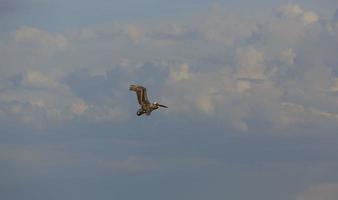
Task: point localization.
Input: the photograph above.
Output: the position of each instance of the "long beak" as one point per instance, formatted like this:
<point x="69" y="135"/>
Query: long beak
<point x="163" y="106"/>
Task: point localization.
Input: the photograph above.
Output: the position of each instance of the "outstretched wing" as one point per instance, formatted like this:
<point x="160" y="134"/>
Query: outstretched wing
<point x="141" y="93"/>
<point x="145" y="96"/>
<point x="138" y="90"/>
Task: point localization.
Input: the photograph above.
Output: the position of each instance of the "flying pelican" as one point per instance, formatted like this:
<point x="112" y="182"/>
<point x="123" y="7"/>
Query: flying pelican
<point x="146" y="106"/>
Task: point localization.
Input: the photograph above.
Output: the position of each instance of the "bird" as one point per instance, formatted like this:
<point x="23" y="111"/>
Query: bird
<point x="145" y="106"/>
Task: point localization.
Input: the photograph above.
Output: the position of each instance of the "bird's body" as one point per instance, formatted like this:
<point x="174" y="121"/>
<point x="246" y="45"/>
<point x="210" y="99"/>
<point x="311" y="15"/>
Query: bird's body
<point x="146" y="106"/>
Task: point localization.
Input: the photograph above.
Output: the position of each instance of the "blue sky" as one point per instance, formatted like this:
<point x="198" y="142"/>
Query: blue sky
<point x="251" y="88"/>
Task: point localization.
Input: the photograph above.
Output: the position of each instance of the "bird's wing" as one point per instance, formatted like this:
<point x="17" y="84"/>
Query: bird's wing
<point x="138" y="90"/>
<point x="145" y="96"/>
<point x="141" y="93"/>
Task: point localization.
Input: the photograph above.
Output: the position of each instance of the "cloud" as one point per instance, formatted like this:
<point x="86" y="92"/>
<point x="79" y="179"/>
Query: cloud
<point x="324" y="191"/>
<point x="294" y="11"/>
<point x="262" y="91"/>
<point x="182" y="73"/>
<point x="334" y="86"/>
<point x="335" y="17"/>
<point x="79" y="107"/>
<point x="224" y="27"/>
<point x="287" y="56"/>
<point x="35" y="78"/>
<point x="205" y="104"/>
<point x="220" y="66"/>
<point x="38" y="38"/>
<point x="250" y="63"/>
<point x="310" y="17"/>
<point x="299" y="114"/>
<point x="135" y="33"/>
<point x="36" y="101"/>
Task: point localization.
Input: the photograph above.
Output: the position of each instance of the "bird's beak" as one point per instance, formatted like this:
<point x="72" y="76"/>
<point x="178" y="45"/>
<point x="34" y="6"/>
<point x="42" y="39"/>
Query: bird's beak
<point x="163" y="106"/>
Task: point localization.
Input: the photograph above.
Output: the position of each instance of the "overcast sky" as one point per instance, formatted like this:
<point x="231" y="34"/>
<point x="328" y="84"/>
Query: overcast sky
<point x="252" y="91"/>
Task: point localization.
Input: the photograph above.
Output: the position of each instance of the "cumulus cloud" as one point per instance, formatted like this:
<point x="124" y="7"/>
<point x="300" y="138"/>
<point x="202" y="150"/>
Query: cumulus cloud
<point x="134" y="32"/>
<point x="35" y="78"/>
<point x="334" y="86"/>
<point x="251" y="66"/>
<point x="224" y="66"/>
<point x="34" y="36"/>
<point x="182" y="73"/>
<point x="205" y="104"/>
<point x="224" y="27"/>
<point x="296" y="12"/>
<point x="79" y="107"/>
<point x="291" y="10"/>
<point x="36" y="100"/>
<point x="263" y="91"/>
<point x="250" y="63"/>
<point x="287" y="56"/>
<point x="295" y="114"/>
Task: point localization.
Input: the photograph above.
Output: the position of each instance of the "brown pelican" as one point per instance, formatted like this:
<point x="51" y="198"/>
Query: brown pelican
<point x="146" y="106"/>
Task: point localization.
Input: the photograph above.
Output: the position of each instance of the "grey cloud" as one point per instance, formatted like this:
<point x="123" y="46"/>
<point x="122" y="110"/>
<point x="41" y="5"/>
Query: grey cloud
<point x="335" y="17"/>
<point x="326" y="191"/>
<point x="251" y="101"/>
<point x="224" y="27"/>
<point x="285" y="66"/>
<point x="262" y="64"/>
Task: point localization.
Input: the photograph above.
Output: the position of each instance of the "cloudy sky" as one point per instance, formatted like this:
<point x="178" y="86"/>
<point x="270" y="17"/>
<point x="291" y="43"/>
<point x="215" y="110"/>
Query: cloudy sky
<point x="252" y="90"/>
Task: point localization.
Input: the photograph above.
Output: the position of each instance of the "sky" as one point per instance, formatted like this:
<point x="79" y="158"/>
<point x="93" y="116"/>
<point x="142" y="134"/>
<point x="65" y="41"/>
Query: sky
<point x="252" y="91"/>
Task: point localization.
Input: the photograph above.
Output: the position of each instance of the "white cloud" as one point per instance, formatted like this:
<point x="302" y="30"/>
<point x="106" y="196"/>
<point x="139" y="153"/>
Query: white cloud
<point x="296" y="12"/>
<point x="30" y="35"/>
<point x="250" y="63"/>
<point x="310" y="17"/>
<point x="84" y="34"/>
<point x="182" y="73"/>
<point x="243" y="86"/>
<point x="220" y="65"/>
<point x="135" y="33"/>
<point x="224" y="27"/>
<point x="35" y="78"/>
<point x="295" y="114"/>
<point x="79" y="107"/>
<point x="287" y="56"/>
<point x="205" y="104"/>
<point x="37" y="100"/>
<point x="291" y="10"/>
<point x="334" y="86"/>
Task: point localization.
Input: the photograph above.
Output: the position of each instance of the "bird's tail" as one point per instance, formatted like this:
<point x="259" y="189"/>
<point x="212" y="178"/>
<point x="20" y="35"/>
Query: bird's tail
<point x="163" y="106"/>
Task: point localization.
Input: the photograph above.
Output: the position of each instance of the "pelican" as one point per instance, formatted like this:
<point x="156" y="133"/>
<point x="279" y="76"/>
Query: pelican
<point x="146" y="106"/>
